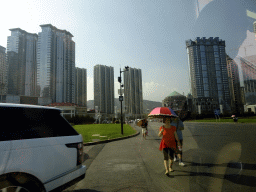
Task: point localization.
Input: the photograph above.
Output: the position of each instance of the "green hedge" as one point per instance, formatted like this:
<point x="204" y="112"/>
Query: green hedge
<point x="79" y="120"/>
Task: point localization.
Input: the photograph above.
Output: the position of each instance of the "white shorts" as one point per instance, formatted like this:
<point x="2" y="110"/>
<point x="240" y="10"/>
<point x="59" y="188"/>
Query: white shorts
<point x="144" y="130"/>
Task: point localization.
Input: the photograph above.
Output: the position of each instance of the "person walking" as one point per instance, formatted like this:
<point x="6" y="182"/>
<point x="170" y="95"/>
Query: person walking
<point x="144" y="125"/>
<point x="179" y="126"/>
<point x="168" y="143"/>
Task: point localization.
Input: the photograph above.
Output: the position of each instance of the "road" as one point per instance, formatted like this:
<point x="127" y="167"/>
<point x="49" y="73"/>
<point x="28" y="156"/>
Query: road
<point x="219" y="157"/>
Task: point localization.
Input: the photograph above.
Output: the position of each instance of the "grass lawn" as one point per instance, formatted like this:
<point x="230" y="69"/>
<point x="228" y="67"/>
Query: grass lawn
<point x="240" y="120"/>
<point x="110" y="130"/>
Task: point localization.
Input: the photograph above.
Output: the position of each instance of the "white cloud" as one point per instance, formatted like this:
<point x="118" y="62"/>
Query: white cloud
<point x="155" y="92"/>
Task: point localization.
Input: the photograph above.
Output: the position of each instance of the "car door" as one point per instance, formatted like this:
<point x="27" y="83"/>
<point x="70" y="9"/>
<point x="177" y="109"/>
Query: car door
<point x="5" y="147"/>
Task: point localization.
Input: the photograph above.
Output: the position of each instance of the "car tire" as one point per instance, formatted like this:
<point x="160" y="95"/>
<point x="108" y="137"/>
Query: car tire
<point x="10" y="183"/>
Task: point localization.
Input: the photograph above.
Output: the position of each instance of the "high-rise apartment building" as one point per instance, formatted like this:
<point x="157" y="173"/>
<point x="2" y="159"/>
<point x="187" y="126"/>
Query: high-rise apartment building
<point x="133" y="99"/>
<point x="104" y="88"/>
<point x="254" y="26"/>
<point x="3" y="72"/>
<point x="234" y="84"/>
<point x="208" y="73"/>
<point x="248" y="65"/>
<point x="21" y="62"/>
<point x="81" y="87"/>
<point x="56" y="64"/>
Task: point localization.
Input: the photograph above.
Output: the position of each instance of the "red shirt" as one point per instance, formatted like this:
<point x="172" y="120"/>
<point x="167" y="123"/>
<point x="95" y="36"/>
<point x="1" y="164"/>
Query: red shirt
<point x="168" y="140"/>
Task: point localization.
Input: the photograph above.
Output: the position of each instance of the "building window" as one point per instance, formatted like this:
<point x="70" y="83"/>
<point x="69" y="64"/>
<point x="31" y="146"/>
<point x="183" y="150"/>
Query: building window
<point x="217" y="61"/>
<point x="206" y="93"/>
<point x="216" y="54"/>
<point x="202" y="54"/>
<point x="217" y="67"/>
<point x="206" y="86"/>
<point x="219" y="87"/>
<point x="202" y="47"/>
<point x="205" y="75"/>
<point x="218" y="74"/>
<point x="205" y="80"/>
<point x="215" y="48"/>
<point x="203" y="60"/>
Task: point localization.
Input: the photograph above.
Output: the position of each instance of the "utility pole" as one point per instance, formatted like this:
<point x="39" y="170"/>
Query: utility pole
<point x="121" y="98"/>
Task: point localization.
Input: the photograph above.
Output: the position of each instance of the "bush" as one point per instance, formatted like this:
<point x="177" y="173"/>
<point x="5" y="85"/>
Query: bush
<point x="78" y="120"/>
<point x="113" y="120"/>
<point x="117" y="122"/>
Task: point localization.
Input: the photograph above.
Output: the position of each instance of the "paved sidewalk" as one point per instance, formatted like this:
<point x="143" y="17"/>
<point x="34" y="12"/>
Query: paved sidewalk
<point x="117" y="167"/>
<point x="132" y="164"/>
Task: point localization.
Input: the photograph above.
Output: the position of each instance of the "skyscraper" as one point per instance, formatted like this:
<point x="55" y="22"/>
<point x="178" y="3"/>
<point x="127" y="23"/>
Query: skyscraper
<point x="21" y="62"/>
<point x="208" y="73"/>
<point x="81" y="87"/>
<point x="248" y="65"/>
<point x="133" y="99"/>
<point x="254" y="26"/>
<point x="234" y="82"/>
<point x="56" y="64"/>
<point x="3" y="72"/>
<point x="104" y="88"/>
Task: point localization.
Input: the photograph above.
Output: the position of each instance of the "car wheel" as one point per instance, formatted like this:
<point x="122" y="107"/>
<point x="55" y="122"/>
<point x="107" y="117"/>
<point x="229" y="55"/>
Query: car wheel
<point x="19" y="183"/>
<point x="14" y="189"/>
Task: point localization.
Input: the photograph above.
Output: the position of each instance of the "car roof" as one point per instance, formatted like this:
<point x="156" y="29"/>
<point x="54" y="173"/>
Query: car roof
<point x="27" y="106"/>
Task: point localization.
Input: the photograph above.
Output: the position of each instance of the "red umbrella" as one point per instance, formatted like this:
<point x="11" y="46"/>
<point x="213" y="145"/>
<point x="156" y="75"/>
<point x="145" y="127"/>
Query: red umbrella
<point x="162" y="112"/>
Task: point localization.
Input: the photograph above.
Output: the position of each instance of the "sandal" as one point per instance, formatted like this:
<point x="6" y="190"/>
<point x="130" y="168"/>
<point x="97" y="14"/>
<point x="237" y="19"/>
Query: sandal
<point x="171" y="170"/>
<point x="167" y="173"/>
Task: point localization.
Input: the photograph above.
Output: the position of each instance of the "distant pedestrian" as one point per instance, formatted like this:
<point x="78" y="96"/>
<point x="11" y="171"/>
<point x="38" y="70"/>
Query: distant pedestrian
<point x="179" y="126"/>
<point x="168" y="143"/>
<point x="144" y="126"/>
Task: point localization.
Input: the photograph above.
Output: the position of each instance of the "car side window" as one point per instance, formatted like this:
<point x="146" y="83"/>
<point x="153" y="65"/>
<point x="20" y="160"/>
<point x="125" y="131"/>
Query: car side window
<point x="29" y="123"/>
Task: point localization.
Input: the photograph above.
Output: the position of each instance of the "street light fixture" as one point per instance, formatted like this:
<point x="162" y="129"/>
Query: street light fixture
<point x="121" y="95"/>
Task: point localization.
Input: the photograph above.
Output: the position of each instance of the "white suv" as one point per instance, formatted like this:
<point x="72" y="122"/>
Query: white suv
<point x="39" y="149"/>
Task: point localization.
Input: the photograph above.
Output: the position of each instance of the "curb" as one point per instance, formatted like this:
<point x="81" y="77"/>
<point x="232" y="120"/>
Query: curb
<point x="110" y="140"/>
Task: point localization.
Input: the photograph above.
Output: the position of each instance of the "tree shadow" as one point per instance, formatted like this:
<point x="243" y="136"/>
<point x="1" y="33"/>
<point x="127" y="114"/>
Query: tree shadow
<point x="231" y="165"/>
<point x="235" y="178"/>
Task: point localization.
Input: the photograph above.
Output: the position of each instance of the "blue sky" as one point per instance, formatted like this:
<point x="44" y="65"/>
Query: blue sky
<point x="145" y="34"/>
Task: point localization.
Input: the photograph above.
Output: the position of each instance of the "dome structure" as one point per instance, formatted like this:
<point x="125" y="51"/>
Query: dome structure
<point x="175" y="100"/>
<point x="175" y="94"/>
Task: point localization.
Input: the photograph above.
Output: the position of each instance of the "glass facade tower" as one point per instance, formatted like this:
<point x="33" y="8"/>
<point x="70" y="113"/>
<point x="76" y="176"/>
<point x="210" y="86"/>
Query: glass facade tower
<point x="208" y="73"/>
<point x="56" y="64"/>
<point x="248" y="65"/>
<point x="3" y="71"/>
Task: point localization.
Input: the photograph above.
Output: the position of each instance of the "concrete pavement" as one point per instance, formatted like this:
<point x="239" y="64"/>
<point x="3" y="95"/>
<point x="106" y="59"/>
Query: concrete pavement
<point x="135" y="164"/>
<point x="132" y="164"/>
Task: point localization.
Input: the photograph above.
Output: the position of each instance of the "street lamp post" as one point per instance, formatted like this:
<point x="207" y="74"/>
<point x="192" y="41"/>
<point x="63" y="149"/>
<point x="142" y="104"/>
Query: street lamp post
<point x="121" y="96"/>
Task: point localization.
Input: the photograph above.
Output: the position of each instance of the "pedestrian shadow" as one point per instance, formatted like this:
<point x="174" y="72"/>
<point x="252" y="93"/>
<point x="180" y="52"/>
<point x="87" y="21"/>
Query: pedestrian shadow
<point x="86" y="156"/>
<point x="86" y="190"/>
<point x="238" y="179"/>
<point x="234" y="176"/>
<point x="231" y="165"/>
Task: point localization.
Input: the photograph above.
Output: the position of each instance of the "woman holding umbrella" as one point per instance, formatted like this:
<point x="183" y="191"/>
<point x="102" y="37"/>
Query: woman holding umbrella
<point x="168" y="143"/>
<point x="169" y="134"/>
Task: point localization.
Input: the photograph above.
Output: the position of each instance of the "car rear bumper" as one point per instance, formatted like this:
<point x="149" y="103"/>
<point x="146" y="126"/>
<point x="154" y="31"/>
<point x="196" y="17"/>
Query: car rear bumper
<point x="64" y="180"/>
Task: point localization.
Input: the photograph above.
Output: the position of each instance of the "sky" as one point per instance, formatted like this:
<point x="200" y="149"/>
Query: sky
<point x="146" y="34"/>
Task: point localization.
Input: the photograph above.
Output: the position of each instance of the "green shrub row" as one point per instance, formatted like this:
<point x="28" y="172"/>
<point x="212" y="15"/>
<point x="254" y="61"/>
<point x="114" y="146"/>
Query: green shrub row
<point x="79" y="120"/>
